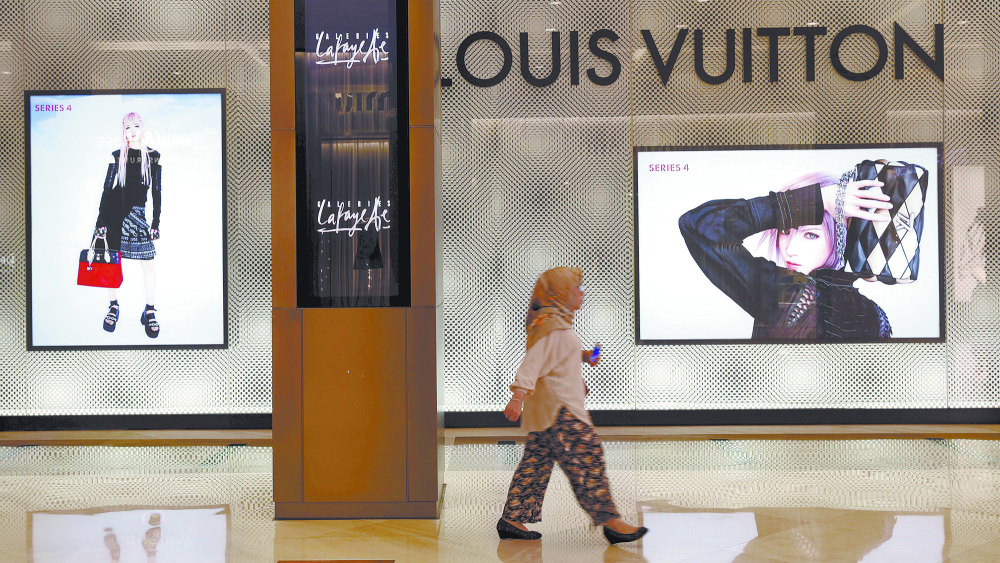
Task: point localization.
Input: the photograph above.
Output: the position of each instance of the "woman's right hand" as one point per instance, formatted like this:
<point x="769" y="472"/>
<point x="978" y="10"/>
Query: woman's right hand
<point x="513" y="410"/>
<point x="101" y="232"/>
<point x="858" y="200"/>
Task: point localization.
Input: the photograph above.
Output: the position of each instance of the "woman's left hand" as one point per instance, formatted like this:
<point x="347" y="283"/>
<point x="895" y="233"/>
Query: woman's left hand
<point x="154" y="234"/>
<point x="859" y="201"/>
<point x="513" y="410"/>
<point x="588" y="359"/>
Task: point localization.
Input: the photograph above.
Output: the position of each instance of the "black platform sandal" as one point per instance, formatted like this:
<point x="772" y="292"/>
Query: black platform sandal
<point x="149" y="321"/>
<point x="111" y="319"/>
<point x="507" y="531"/>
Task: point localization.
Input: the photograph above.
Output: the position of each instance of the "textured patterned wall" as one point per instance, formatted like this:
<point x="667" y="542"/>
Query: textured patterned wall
<point x="100" y="44"/>
<point x="540" y="177"/>
<point x="973" y="222"/>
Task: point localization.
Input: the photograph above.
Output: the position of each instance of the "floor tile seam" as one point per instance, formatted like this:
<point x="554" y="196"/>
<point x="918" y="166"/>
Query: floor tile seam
<point x="957" y="556"/>
<point x="968" y="548"/>
<point x="710" y="553"/>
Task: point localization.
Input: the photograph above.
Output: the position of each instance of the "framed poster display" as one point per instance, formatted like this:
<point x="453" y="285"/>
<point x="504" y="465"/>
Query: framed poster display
<point x="831" y="243"/>
<point x="126" y="219"/>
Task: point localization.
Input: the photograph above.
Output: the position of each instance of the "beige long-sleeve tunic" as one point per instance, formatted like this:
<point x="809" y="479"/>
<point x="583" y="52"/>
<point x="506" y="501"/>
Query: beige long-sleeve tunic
<point x="552" y="375"/>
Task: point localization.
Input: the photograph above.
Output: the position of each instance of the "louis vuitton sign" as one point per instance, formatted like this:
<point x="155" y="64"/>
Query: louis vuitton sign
<point x="665" y="54"/>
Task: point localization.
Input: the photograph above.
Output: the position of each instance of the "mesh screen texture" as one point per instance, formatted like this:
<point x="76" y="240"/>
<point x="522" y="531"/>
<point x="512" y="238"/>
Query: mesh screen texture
<point x="163" y="44"/>
<point x="540" y="177"/>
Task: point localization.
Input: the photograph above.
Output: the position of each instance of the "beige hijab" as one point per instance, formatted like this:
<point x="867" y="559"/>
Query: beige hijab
<point x="549" y="309"/>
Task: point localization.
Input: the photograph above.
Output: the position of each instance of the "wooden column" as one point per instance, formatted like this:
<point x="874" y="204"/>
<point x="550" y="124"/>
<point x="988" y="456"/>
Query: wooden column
<point x="357" y="426"/>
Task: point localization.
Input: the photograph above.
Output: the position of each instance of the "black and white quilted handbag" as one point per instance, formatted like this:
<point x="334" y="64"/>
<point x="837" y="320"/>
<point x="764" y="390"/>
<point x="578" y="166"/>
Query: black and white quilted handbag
<point x="889" y="251"/>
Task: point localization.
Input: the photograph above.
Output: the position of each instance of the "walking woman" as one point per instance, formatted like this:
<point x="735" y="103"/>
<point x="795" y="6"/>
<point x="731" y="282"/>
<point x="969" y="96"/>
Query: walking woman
<point x="134" y="171"/>
<point x="548" y="396"/>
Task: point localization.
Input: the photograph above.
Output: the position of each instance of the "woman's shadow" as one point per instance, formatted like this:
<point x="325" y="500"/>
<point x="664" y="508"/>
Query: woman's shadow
<point x="530" y="551"/>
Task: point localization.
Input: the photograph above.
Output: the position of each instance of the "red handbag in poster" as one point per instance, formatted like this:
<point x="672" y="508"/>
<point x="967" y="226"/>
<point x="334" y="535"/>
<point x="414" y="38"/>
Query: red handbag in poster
<point x="100" y="269"/>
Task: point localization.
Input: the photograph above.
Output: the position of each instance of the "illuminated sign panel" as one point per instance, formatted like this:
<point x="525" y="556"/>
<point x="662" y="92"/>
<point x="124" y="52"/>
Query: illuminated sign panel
<point x="352" y="157"/>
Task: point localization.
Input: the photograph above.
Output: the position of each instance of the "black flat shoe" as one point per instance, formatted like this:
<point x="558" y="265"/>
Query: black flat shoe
<point x="509" y="532"/>
<point x="614" y="537"/>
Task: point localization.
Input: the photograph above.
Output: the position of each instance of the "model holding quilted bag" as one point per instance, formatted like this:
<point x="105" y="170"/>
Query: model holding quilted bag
<point x="135" y="171"/>
<point x="811" y="229"/>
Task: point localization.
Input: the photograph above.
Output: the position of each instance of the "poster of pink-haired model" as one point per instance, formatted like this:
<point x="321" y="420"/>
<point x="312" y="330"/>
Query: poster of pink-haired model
<point x="138" y="177"/>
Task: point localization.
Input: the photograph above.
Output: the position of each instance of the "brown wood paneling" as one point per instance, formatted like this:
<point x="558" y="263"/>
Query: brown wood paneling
<point x="424" y="61"/>
<point x="354" y="405"/>
<point x="350" y="405"/>
<point x="421" y="401"/>
<point x="286" y="339"/>
<point x="442" y="440"/>
<point x="282" y="35"/>
<point x="283" y="291"/>
<point x="424" y="268"/>
<point x="438" y="222"/>
<point x="436" y="11"/>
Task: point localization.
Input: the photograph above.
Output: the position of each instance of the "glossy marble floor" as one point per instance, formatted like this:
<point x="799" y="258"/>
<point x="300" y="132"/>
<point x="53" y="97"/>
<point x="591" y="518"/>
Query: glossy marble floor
<point x="718" y="501"/>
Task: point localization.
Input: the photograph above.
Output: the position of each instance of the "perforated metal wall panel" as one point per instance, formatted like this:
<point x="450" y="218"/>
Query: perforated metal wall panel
<point x="971" y="173"/>
<point x="537" y="177"/>
<point x="167" y="44"/>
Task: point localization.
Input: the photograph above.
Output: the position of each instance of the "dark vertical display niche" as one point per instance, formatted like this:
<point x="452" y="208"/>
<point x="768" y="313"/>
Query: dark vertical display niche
<point x="351" y="154"/>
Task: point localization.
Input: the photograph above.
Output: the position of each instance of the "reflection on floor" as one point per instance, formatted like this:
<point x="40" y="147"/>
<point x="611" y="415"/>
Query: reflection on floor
<point x="720" y="501"/>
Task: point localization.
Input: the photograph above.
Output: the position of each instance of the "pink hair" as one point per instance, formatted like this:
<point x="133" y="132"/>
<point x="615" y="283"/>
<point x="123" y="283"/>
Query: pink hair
<point x="133" y="117"/>
<point x="770" y="237"/>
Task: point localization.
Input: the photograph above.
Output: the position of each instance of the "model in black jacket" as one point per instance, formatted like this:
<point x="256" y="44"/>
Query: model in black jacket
<point x="135" y="170"/>
<point x="809" y="297"/>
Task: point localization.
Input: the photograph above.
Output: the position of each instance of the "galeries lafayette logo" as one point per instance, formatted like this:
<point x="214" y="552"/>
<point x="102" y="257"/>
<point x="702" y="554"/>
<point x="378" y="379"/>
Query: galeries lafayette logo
<point x="345" y="217"/>
<point x="351" y="48"/>
<point x="664" y="67"/>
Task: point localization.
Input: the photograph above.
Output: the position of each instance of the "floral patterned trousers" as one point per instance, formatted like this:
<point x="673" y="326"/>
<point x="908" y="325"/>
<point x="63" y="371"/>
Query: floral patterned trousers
<point x="577" y="448"/>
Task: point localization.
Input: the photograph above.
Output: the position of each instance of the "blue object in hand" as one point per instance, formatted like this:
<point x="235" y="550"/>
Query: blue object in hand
<point x="596" y="353"/>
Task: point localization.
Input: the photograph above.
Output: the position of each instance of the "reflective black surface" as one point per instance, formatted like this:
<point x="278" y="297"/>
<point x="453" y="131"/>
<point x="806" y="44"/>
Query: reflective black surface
<point x="351" y="154"/>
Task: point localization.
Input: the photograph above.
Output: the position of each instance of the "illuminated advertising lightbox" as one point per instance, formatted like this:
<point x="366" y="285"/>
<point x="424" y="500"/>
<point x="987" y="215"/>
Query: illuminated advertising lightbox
<point x="126" y="227"/>
<point x="352" y="176"/>
<point x="788" y="244"/>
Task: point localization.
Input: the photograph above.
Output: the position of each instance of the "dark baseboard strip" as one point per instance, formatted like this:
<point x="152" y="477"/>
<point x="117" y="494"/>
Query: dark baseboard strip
<point x="748" y="417"/>
<point x="490" y="419"/>
<point x="353" y="510"/>
<point x="255" y="421"/>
